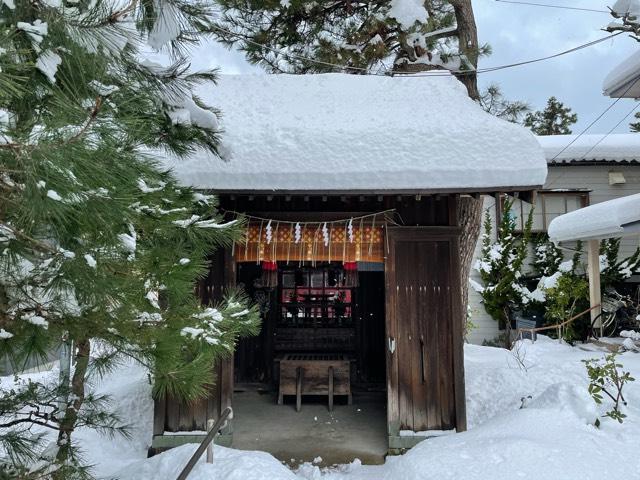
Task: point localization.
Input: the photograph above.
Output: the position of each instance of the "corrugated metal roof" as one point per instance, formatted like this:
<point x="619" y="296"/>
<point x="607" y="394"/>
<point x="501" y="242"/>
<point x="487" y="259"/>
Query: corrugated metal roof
<point x="620" y="148"/>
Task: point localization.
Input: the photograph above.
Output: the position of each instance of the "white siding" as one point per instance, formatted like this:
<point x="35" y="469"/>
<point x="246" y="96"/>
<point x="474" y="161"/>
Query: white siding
<point x="486" y="327"/>
<point x="594" y="178"/>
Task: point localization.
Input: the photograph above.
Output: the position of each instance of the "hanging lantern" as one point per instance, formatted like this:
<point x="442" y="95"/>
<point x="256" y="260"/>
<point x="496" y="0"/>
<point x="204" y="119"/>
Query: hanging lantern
<point x="269" y="274"/>
<point x="350" y="274"/>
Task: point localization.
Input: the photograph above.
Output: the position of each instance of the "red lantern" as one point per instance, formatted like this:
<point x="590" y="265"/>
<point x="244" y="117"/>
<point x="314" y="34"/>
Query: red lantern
<point x="269" y="274"/>
<point x="350" y="274"/>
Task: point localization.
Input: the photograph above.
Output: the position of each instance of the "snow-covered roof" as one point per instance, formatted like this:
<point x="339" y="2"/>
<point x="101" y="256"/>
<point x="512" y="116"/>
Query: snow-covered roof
<point x="618" y="148"/>
<point x="339" y="132"/>
<point x="613" y="218"/>
<point x="624" y="80"/>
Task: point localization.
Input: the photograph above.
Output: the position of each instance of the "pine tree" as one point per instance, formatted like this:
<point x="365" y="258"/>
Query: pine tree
<point x="492" y="101"/>
<point x="100" y="248"/>
<point x="635" y="126"/>
<point x="555" y="119"/>
<point x="376" y="36"/>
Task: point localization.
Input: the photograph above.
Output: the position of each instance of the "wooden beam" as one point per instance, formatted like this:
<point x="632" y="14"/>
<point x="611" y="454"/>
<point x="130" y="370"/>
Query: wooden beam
<point x="457" y="341"/>
<point x="593" y="270"/>
<point x="391" y="334"/>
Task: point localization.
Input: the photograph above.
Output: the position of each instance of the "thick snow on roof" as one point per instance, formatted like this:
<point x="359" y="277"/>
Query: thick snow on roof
<point x="620" y="147"/>
<point x="613" y="218"/>
<point x="624" y="80"/>
<point x="338" y="132"/>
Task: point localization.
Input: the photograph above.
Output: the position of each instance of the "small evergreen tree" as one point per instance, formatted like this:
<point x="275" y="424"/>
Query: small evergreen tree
<point x="555" y="119"/>
<point x="547" y="257"/>
<point x="100" y="248"/>
<point x="635" y="126"/>
<point x="500" y="266"/>
<point x="612" y="270"/>
<point x="568" y="296"/>
<point x="492" y="100"/>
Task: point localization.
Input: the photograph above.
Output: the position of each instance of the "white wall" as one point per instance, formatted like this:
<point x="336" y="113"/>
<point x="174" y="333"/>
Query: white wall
<point x="594" y="178"/>
<point x="486" y="327"/>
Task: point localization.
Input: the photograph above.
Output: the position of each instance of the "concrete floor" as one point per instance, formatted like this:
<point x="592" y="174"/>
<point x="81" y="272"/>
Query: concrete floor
<point x="349" y="432"/>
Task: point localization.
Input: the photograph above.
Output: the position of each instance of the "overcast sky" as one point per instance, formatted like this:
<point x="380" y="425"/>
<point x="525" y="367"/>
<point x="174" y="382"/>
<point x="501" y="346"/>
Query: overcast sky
<point x="520" y="32"/>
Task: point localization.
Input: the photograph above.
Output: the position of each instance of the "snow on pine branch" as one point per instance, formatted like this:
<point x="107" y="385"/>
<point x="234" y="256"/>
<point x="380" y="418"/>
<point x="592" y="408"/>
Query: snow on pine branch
<point x="195" y="220"/>
<point x="408" y="12"/>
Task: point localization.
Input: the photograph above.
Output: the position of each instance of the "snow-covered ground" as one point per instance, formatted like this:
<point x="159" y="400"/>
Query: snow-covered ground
<point x="552" y="437"/>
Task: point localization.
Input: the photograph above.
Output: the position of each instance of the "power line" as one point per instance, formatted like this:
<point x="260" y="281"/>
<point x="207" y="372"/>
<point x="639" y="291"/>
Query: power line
<point x="571" y="50"/>
<point x="553" y="6"/>
<point x="596" y="119"/>
<point x="610" y="131"/>
<point x="433" y="73"/>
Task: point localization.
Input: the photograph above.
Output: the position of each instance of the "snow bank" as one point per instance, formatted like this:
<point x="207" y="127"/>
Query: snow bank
<point x="613" y="218"/>
<point x="529" y="416"/>
<point x="552" y="437"/>
<point x="335" y="132"/>
<point x="229" y="464"/>
<point x="618" y="147"/>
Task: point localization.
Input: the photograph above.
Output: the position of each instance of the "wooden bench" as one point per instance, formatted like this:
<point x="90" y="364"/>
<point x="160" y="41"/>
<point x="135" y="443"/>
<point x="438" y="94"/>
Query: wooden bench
<point x="314" y="374"/>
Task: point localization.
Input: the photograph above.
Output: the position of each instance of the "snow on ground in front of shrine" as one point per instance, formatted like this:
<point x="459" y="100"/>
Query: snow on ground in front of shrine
<point x="552" y="437"/>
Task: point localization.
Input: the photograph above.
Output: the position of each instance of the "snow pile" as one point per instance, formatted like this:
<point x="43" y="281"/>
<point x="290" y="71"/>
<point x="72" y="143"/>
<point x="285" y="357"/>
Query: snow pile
<point x="551" y="438"/>
<point x="336" y="132"/>
<point x="529" y="415"/>
<point x="617" y="147"/>
<point x="229" y="464"/>
<point x="613" y="218"/>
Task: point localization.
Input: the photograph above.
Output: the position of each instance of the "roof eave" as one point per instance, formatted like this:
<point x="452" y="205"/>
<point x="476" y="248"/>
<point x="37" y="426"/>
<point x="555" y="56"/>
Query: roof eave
<point x="591" y="162"/>
<point x="373" y="191"/>
<point x="624" y="88"/>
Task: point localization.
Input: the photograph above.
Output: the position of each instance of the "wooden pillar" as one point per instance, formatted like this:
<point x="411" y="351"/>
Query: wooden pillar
<point x="593" y="271"/>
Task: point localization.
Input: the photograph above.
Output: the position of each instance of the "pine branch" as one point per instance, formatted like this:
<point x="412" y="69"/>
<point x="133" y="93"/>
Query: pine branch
<point x="92" y="116"/>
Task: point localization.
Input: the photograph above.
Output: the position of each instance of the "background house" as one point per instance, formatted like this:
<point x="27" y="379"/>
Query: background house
<point x="582" y="171"/>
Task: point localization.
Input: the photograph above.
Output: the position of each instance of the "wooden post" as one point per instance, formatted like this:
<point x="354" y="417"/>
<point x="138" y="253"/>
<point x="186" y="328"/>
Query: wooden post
<point x="593" y="270"/>
<point x="331" y="389"/>
<point x="210" y="423"/>
<point x="298" y="388"/>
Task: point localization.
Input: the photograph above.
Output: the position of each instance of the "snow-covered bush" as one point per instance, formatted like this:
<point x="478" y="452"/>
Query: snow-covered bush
<point x="547" y="257"/>
<point x="500" y="266"/>
<point x="612" y="270"/>
<point x="569" y="296"/>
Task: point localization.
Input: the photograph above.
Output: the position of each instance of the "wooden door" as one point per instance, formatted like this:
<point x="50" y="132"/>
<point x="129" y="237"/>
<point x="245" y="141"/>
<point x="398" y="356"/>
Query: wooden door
<point x="425" y="377"/>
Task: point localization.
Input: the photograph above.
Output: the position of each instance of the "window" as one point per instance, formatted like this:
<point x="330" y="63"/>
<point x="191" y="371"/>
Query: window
<point x="548" y="205"/>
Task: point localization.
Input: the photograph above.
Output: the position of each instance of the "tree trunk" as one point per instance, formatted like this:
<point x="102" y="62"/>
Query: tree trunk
<point x="470" y="220"/>
<point x="467" y="43"/>
<point x="68" y="423"/>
